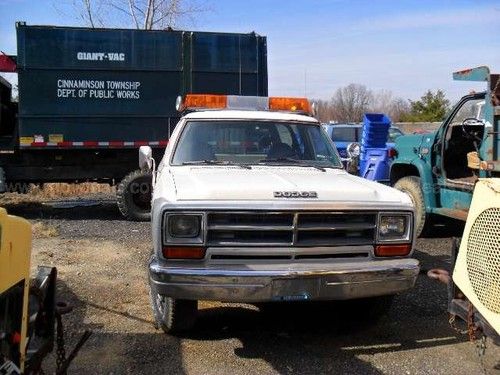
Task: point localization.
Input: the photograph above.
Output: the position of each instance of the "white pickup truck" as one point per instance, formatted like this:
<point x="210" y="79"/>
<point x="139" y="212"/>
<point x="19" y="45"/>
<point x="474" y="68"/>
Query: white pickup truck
<point x="251" y="204"/>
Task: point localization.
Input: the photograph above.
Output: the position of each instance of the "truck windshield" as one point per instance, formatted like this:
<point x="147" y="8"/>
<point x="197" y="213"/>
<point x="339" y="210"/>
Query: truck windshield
<point x="254" y="142"/>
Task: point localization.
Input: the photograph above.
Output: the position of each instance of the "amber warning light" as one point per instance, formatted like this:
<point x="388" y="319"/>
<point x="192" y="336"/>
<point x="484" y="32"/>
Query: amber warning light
<point x="255" y="103"/>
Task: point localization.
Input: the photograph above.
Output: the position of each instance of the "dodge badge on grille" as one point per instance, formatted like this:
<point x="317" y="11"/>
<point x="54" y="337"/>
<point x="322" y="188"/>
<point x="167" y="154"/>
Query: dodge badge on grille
<point x="295" y="194"/>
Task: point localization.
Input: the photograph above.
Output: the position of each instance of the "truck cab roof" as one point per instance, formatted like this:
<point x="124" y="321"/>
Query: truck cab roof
<point x="249" y="115"/>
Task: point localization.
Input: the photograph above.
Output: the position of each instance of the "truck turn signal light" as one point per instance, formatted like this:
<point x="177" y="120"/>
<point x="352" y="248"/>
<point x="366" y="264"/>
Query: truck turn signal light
<point x="392" y="250"/>
<point x="183" y="252"/>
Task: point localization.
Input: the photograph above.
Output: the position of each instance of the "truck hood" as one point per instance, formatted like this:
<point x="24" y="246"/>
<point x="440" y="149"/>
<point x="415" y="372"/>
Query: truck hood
<point x="217" y="183"/>
<point x="411" y="144"/>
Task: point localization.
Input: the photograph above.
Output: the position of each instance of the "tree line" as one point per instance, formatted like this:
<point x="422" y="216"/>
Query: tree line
<point x="349" y="103"/>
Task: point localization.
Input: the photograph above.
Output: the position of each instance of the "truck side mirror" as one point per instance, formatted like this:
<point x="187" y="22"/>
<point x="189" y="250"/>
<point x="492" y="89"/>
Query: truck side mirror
<point x="353" y="153"/>
<point x="145" y="158"/>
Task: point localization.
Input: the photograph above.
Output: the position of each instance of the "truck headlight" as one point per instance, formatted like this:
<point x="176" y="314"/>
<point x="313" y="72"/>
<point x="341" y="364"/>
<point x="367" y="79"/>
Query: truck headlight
<point x="394" y="227"/>
<point x="184" y="226"/>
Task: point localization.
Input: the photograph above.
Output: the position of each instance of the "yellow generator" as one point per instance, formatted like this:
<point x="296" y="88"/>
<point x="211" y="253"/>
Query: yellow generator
<point x="28" y="310"/>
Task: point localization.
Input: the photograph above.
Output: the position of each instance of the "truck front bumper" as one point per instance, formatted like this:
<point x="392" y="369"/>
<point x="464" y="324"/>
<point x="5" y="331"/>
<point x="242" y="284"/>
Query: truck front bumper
<point x="297" y="282"/>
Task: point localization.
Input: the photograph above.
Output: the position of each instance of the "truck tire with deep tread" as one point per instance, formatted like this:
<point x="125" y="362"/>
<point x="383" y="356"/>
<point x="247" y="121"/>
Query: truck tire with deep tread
<point x="133" y="195"/>
<point x="173" y="315"/>
<point x="411" y="186"/>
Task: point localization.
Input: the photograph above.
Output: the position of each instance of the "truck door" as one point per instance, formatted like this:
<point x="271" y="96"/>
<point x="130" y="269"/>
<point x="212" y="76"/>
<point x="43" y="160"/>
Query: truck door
<point x="459" y="139"/>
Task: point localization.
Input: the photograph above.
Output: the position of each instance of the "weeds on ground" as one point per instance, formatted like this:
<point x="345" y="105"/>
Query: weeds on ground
<point x="44" y="230"/>
<point x="47" y="192"/>
<point x="58" y="190"/>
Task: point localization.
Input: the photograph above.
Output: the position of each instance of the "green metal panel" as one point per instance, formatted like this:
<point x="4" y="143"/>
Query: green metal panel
<point x="42" y="47"/>
<point x="455" y="199"/>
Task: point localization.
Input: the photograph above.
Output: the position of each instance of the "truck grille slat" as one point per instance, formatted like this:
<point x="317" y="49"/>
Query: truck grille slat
<point x="247" y="227"/>
<point x="290" y="228"/>
<point x="313" y="227"/>
<point x="251" y="219"/>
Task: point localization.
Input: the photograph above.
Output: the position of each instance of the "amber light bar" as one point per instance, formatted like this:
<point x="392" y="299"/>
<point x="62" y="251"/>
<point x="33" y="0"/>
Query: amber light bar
<point x="183" y="252"/>
<point x="255" y="103"/>
<point x="392" y="250"/>
<point x="205" y="101"/>
<point x="290" y="104"/>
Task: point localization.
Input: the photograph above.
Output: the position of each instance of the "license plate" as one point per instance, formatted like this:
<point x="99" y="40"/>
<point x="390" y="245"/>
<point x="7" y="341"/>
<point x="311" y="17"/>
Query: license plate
<point x="295" y="290"/>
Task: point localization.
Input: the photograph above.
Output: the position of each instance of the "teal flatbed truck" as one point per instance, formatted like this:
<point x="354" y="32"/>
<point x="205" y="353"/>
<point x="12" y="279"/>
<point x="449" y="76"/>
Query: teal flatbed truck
<point x="439" y="170"/>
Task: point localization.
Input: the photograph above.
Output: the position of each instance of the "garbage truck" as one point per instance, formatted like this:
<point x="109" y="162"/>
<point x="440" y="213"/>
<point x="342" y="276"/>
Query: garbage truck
<point x="440" y="170"/>
<point x="89" y="98"/>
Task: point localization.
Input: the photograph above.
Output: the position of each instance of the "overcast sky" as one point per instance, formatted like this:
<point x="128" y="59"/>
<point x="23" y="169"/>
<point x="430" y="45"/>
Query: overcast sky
<point x="316" y="46"/>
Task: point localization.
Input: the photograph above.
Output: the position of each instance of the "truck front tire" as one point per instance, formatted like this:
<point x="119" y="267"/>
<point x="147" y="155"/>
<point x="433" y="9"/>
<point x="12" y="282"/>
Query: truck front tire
<point x="133" y="195"/>
<point x="173" y="315"/>
<point x="411" y="186"/>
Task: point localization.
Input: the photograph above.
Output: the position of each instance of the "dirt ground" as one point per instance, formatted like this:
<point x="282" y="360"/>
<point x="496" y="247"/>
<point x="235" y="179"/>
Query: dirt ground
<point x="102" y="264"/>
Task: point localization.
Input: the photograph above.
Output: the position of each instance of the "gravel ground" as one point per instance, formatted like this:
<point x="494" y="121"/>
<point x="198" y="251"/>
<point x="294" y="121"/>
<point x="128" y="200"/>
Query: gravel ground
<point x="102" y="270"/>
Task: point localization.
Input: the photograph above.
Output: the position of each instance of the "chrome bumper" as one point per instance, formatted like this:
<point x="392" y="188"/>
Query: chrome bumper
<point x="296" y="282"/>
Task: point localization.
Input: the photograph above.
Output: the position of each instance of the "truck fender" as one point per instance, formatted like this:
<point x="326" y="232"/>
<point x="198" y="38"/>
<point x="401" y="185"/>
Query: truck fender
<point x="417" y="167"/>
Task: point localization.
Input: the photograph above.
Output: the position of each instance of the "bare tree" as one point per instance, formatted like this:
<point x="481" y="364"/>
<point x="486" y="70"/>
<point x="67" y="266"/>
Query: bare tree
<point x="385" y="102"/>
<point x="349" y="103"/>
<point x="399" y="109"/>
<point x="381" y="101"/>
<point x="139" y="14"/>
<point x="324" y="111"/>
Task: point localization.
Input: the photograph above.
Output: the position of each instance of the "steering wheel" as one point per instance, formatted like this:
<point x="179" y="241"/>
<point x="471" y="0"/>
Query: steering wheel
<point x="472" y="134"/>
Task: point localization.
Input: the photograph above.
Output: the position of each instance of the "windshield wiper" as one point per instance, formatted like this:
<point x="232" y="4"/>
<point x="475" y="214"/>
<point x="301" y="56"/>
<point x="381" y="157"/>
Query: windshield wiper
<point x="291" y="160"/>
<point x="215" y="162"/>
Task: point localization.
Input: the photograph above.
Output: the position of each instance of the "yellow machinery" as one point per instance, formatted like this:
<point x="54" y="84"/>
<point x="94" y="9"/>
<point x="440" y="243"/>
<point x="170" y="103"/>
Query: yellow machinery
<point x="27" y="307"/>
<point x="15" y="254"/>
<point x="28" y="310"/>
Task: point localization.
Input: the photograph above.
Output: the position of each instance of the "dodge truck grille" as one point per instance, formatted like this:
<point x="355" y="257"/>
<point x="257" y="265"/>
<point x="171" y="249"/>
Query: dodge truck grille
<point x="290" y="228"/>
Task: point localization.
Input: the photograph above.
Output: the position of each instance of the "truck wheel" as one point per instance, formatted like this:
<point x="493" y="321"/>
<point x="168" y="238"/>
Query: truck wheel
<point x="173" y="315"/>
<point x="133" y="195"/>
<point x="411" y="186"/>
